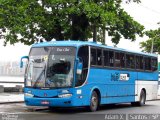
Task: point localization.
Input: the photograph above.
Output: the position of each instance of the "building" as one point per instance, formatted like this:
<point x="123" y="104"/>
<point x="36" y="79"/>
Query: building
<point x="11" y="69"/>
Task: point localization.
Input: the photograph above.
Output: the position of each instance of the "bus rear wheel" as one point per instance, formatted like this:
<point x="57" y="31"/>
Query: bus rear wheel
<point x="142" y="99"/>
<point x="94" y="102"/>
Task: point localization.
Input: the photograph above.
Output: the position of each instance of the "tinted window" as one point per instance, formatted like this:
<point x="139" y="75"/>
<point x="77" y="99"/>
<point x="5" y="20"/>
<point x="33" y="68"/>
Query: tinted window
<point x="119" y="60"/>
<point x="147" y="63"/>
<point x="96" y="57"/>
<point x="106" y="58"/>
<point x="154" y="64"/>
<point x="83" y="54"/>
<point x="111" y="58"/>
<point x="99" y="57"/>
<point x="93" y="56"/>
<point x="130" y="61"/>
<point x="139" y="62"/>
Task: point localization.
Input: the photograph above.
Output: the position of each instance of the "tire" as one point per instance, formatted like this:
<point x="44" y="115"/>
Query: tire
<point x="94" y="102"/>
<point x="142" y="99"/>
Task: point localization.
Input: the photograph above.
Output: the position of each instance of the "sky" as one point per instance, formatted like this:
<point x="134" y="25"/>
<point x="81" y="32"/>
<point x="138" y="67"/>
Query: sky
<point x="13" y="52"/>
<point x="147" y="13"/>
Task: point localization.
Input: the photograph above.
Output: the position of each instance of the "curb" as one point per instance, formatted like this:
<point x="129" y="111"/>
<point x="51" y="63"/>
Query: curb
<point x="11" y="102"/>
<point x="33" y="109"/>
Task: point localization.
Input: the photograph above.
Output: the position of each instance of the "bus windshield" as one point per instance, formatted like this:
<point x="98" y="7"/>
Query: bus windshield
<point x="51" y="67"/>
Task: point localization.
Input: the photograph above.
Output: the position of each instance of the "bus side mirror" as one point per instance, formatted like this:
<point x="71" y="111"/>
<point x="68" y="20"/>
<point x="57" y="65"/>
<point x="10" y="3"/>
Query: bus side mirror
<point x="79" y="67"/>
<point x="21" y="62"/>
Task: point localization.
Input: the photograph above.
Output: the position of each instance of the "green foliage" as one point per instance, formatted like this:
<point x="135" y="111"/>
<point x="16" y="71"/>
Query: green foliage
<point x="30" y="21"/>
<point x="154" y="37"/>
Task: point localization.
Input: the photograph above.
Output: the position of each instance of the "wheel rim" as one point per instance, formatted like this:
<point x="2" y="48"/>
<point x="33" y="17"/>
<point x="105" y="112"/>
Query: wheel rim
<point x="142" y="98"/>
<point x="94" y="102"/>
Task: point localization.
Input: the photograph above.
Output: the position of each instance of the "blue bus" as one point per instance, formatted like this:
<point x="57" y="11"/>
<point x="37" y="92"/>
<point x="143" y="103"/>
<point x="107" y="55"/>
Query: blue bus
<point x="76" y="73"/>
<point x="159" y="79"/>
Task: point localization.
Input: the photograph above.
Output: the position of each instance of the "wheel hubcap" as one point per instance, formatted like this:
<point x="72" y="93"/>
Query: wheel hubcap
<point x="94" y="102"/>
<point x="142" y="99"/>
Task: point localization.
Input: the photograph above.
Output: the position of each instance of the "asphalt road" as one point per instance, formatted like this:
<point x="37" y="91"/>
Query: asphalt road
<point x="151" y="111"/>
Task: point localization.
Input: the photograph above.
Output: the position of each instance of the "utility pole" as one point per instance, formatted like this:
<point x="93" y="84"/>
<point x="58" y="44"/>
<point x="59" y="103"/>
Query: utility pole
<point x="94" y="33"/>
<point x="152" y="45"/>
<point x="153" y="42"/>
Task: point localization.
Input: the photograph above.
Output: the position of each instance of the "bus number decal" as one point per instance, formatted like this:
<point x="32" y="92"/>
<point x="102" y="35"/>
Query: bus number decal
<point x="124" y="76"/>
<point x="120" y="77"/>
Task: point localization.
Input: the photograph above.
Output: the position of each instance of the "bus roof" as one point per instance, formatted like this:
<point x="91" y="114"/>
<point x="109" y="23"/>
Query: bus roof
<point x="82" y="43"/>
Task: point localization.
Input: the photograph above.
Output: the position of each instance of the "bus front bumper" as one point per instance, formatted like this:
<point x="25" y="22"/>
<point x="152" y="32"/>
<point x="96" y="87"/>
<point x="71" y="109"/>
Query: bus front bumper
<point x="55" y="102"/>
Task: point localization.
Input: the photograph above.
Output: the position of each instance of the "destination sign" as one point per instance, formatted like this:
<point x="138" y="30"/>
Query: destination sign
<point x="63" y="51"/>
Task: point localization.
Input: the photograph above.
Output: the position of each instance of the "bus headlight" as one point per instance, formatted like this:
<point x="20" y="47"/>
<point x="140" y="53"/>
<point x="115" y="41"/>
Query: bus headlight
<point x="64" y="95"/>
<point x="28" y="95"/>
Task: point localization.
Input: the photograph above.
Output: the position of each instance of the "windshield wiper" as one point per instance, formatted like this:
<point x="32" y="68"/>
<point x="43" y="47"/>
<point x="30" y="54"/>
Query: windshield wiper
<point x="39" y="76"/>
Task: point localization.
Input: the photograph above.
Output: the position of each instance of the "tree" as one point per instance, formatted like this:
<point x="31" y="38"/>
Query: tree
<point x="30" y="21"/>
<point x="152" y="42"/>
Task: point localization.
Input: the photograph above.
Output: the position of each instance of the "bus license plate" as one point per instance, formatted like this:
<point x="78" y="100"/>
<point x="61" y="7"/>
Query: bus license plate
<point x="44" y="102"/>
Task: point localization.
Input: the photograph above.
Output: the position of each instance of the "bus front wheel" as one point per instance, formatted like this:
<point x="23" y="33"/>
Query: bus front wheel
<point x="94" y="102"/>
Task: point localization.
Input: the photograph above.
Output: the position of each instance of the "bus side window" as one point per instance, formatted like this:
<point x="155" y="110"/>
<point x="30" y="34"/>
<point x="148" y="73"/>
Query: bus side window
<point x="147" y="63"/>
<point x="119" y="60"/>
<point x="111" y="58"/>
<point x="137" y="62"/>
<point x="93" y="56"/>
<point x="122" y="57"/>
<point x="154" y="64"/>
<point x="106" y="57"/>
<point x="99" y="57"/>
<point x="141" y="63"/>
<point x="83" y="55"/>
<point x="130" y="61"/>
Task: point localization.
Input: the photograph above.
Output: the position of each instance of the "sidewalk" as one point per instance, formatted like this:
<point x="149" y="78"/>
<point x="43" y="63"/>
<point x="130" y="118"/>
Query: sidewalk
<point x="11" y="98"/>
<point x="158" y="97"/>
